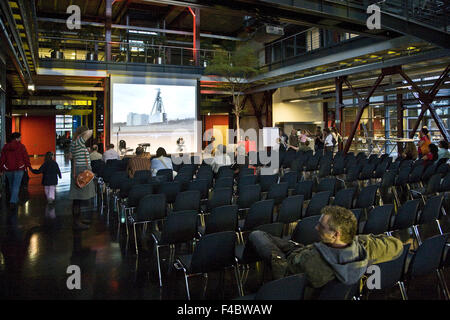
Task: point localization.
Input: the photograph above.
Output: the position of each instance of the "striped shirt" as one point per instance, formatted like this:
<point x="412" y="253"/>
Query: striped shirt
<point x="138" y="163"/>
<point x="80" y="153"/>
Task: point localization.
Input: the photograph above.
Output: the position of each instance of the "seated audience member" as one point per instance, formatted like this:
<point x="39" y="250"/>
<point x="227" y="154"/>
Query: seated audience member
<point x="431" y="156"/>
<point x="340" y="254"/>
<point x="410" y="152"/>
<point x="95" y="155"/>
<point x="443" y="150"/>
<point x="139" y="162"/>
<point x="161" y="161"/>
<point x="220" y="159"/>
<point x="110" y="153"/>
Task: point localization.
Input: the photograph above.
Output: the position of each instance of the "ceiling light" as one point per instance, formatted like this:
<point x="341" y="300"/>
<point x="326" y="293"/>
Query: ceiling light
<point x="410" y="48"/>
<point x="31" y="87"/>
<point x="391" y="52"/>
<point x="296" y="100"/>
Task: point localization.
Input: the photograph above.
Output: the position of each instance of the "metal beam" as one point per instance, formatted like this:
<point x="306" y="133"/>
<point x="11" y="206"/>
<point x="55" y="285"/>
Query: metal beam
<point x="430" y="55"/>
<point x="68" y="88"/>
<point x="125" y="27"/>
<point x="108" y="22"/>
<point x="363" y="105"/>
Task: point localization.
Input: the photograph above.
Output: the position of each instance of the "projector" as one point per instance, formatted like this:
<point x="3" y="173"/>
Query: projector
<point x="279" y="31"/>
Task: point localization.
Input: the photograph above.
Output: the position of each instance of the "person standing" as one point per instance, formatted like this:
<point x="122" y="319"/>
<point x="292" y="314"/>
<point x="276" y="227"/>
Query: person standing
<point x="424" y="142"/>
<point x="329" y="145"/>
<point x="51" y="172"/>
<point x="80" y="162"/>
<point x="293" y="138"/>
<point x="14" y="161"/>
<point x="318" y="141"/>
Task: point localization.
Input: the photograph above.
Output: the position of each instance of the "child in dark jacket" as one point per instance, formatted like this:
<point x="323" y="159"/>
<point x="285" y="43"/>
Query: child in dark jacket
<point x="51" y="172"/>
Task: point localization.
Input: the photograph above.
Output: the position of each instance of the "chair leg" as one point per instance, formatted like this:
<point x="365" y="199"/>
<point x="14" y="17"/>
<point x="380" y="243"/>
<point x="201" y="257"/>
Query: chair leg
<point x="443" y="284"/>
<point x="206" y="284"/>
<point x="187" y="285"/>
<point x="135" y="239"/>
<point x="159" y="264"/>
<point x="238" y="280"/>
<point x="439" y="226"/>
<point x="416" y="232"/>
<point x="403" y="290"/>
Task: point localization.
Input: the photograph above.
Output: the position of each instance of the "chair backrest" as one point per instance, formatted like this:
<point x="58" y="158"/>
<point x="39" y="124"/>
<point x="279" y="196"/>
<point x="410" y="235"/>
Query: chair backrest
<point x="151" y="207"/>
<point x="220" y="197"/>
<point x="336" y="290"/>
<point x="378" y="219"/>
<point x="278" y="192"/>
<point x="275" y="229"/>
<point x="267" y="180"/>
<point x="187" y="200"/>
<point x="317" y="202"/>
<point x="179" y="227"/>
<point x="403" y="175"/>
<point x="249" y="195"/>
<point x="166" y="172"/>
<point x="367" y="197"/>
<point x="142" y="175"/>
<point x="205" y="175"/>
<point x="246" y="172"/>
<point x="353" y="172"/>
<point x="381" y="169"/>
<point x="214" y="252"/>
<point x="170" y="189"/>
<point x="431" y="210"/>
<point x="304" y="188"/>
<point x="224" y="182"/>
<point x="445" y="184"/>
<point x="392" y="271"/>
<point x="406" y="215"/>
<point x="288" y="288"/>
<point x="367" y="171"/>
<point x="344" y="198"/>
<point x="338" y="165"/>
<point x="246" y="180"/>
<point x="305" y="231"/>
<point x="428" y="172"/>
<point x="291" y="178"/>
<point x="434" y="184"/>
<point x="224" y="218"/>
<point x="291" y="209"/>
<point x="200" y="185"/>
<point x="137" y="192"/>
<point x="327" y="184"/>
<point x="117" y="179"/>
<point x="357" y="213"/>
<point x="416" y="174"/>
<point x="260" y="213"/>
<point x="225" y="172"/>
<point x="428" y="256"/>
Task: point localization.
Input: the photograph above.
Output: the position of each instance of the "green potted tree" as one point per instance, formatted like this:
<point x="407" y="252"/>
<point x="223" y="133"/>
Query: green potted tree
<point x="237" y="67"/>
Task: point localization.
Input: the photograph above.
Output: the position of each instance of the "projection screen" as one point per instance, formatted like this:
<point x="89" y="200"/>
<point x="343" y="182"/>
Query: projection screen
<point x="154" y="111"/>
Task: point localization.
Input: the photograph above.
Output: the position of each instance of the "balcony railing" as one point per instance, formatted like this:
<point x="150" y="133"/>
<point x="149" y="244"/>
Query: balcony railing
<point x="121" y="52"/>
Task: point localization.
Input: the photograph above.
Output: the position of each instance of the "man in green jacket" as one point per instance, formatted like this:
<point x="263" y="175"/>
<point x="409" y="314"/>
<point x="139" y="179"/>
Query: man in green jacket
<point x="340" y="254"/>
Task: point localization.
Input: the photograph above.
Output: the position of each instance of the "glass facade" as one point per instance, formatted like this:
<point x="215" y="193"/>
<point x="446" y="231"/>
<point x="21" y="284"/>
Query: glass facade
<point x="379" y="121"/>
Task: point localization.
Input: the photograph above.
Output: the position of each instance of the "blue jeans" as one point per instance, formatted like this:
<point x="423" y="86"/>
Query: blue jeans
<point x="14" y="181"/>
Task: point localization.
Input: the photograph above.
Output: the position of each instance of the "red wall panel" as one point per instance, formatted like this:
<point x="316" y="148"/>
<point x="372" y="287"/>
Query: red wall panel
<point x="38" y="134"/>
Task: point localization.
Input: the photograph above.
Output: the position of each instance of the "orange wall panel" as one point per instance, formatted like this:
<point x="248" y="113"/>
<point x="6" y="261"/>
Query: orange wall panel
<point x="38" y="134"/>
